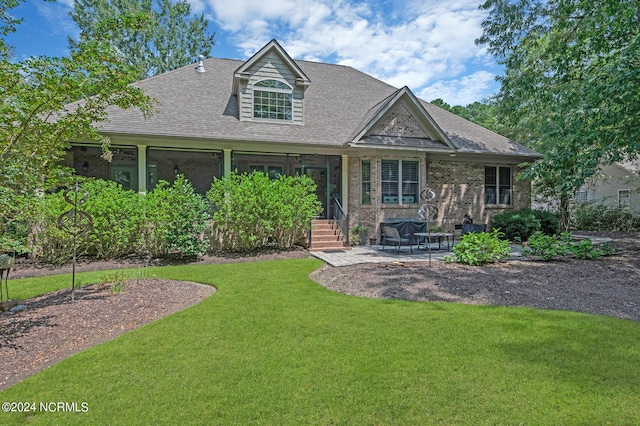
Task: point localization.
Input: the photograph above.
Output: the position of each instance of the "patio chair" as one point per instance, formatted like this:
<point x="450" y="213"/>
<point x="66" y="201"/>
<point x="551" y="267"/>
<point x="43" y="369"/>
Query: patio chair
<point x="473" y="228"/>
<point x="390" y="235"/>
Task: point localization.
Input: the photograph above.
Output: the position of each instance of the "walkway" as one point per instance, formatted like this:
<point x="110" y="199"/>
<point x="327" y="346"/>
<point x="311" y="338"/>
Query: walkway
<point x="374" y="254"/>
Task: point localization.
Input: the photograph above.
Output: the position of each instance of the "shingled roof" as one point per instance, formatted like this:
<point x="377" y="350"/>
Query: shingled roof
<point x="337" y="104"/>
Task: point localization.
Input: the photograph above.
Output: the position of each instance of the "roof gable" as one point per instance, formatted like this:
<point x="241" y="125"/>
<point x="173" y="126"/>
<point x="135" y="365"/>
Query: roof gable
<point x="401" y="120"/>
<point x="261" y="59"/>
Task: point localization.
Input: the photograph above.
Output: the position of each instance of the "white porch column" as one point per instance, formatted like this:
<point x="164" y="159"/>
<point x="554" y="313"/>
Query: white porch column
<point x="345" y="183"/>
<point x="142" y="168"/>
<point x="227" y="161"/>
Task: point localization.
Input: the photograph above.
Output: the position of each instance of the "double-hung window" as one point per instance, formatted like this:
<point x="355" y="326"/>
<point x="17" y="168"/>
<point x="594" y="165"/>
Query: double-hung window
<point x="624" y="198"/>
<point x="400" y="181"/>
<point x="497" y="185"/>
<point x="581" y="196"/>
<point x="272" y="99"/>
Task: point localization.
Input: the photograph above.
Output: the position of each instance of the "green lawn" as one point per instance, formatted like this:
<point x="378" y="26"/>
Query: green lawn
<point x="272" y="347"/>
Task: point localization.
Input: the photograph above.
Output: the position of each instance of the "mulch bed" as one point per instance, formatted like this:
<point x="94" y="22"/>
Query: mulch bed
<point x="52" y="327"/>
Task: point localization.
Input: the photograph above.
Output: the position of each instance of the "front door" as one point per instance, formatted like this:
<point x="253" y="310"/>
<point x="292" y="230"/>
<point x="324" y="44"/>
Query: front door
<point x="320" y="176"/>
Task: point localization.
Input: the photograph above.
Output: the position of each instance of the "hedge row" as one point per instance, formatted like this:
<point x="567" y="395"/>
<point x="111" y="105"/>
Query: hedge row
<point x="240" y="212"/>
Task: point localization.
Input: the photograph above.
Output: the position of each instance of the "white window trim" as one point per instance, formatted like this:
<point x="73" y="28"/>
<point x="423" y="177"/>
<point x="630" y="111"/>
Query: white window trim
<point x="627" y="203"/>
<point x="273" y="90"/>
<point x="363" y="182"/>
<point x="400" y="182"/>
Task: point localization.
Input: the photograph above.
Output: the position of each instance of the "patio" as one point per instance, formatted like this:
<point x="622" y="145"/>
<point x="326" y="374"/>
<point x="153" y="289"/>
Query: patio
<point x="374" y="254"/>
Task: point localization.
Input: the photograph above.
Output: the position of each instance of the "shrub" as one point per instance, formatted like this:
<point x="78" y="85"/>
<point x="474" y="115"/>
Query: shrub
<point x="188" y="218"/>
<point x="253" y="211"/>
<point x="516" y="226"/>
<point x="47" y="241"/>
<point x="170" y="219"/>
<point x="585" y="249"/>
<point x="551" y="247"/>
<point x="115" y="221"/>
<point x="116" y="218"/>
<point x="14" y="231"/>
<point x="547" y="247"/>
<point x="600" y="217"/>
<point x="174" y="220"/>
<point x="549" y="222"/>
<point x="481" y="248"/>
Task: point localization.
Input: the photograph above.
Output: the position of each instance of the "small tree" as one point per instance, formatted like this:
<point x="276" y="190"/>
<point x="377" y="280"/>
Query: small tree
<point x="46" y="102"/>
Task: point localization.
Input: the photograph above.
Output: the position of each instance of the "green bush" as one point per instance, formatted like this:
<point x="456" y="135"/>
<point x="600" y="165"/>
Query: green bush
<point x="547" y="247"/>
<point x="175" y="220"/>
<point x="481" y="248"/>
<point x="46" y="241"/>
<point x="116" y="216"/>
<point x="254" y="211"/>
<point x="516" y="226"/>
<point x="170" y="219"/>
<point x="600" y="217"/>
<point x="14" y="231"/>
<point x="115" y="219"/>
<point x="549" y="222"/>
<point x="585" y="249"/>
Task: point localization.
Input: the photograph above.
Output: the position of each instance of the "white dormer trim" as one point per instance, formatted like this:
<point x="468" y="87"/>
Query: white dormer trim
<point x="242" y="73"/>
<point x="424" y="118"/>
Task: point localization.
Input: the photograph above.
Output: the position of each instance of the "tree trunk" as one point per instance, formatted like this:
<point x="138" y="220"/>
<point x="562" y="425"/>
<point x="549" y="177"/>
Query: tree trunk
<point x="564" y="213"/>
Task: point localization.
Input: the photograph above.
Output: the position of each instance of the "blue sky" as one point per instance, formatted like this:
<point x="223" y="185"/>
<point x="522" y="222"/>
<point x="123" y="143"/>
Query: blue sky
<point x="427" y="45"/>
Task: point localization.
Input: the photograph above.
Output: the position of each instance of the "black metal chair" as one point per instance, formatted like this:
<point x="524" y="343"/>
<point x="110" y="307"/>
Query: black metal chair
<point x="391" y="235"/>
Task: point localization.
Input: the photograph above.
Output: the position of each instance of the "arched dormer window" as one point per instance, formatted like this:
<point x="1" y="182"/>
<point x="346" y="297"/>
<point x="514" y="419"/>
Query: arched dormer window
<point x="272" y="99"/>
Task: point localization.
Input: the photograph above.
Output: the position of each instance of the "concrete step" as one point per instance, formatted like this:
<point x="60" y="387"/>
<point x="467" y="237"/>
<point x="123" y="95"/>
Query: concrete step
<point x="327" y="245"/>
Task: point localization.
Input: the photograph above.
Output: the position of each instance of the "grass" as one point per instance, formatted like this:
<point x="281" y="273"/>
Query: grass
<point x="272" y="347"/>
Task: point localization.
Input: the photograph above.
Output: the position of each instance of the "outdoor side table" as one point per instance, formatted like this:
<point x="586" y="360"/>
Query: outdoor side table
<point x="440" y="237"/>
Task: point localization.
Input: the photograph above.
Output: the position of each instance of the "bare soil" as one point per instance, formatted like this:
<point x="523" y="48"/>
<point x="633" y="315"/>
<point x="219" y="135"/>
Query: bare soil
<point x="51" y="327"/>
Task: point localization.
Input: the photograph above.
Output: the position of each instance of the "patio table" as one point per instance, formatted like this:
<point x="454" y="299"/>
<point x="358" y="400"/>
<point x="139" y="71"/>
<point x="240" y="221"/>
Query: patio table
<point x="439" y="235"/>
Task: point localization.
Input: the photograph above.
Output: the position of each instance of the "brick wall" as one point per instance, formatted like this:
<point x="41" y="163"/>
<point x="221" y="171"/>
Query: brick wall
<point x="459" y="189"/>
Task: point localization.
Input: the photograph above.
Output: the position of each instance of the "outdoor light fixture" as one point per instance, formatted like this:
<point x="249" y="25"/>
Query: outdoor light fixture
<point x="85" y="166"/>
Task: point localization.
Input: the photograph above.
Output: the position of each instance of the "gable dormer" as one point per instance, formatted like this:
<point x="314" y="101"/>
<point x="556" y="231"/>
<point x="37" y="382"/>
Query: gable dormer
<point x="270" y="87"/>
<point x="402" y="121"/>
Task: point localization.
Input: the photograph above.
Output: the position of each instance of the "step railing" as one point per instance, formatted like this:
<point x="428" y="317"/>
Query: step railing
<point x="341" y="219"/>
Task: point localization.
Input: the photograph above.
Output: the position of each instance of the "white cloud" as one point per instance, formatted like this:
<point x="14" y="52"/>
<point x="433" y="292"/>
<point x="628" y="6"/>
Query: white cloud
<point x="404" y="42"/>
<point x="57" y="15"/>
<point x="464" y="91"/>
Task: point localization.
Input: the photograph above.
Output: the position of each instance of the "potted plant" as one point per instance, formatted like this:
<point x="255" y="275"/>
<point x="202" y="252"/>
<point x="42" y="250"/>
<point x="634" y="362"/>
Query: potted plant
<point x="358" y="235"/>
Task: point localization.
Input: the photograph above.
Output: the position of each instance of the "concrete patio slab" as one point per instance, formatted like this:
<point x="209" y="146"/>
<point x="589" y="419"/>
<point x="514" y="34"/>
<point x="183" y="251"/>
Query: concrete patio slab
<point x="375" y="254"/>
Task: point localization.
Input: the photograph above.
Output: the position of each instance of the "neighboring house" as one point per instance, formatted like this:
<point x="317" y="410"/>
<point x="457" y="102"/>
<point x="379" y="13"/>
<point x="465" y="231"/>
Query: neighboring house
<point x="370" y="145"/>
<point x="616" y="185"/>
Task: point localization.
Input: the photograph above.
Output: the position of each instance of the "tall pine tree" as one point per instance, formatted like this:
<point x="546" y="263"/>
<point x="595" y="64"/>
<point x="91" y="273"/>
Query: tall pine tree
<point x="173" y="38"/>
